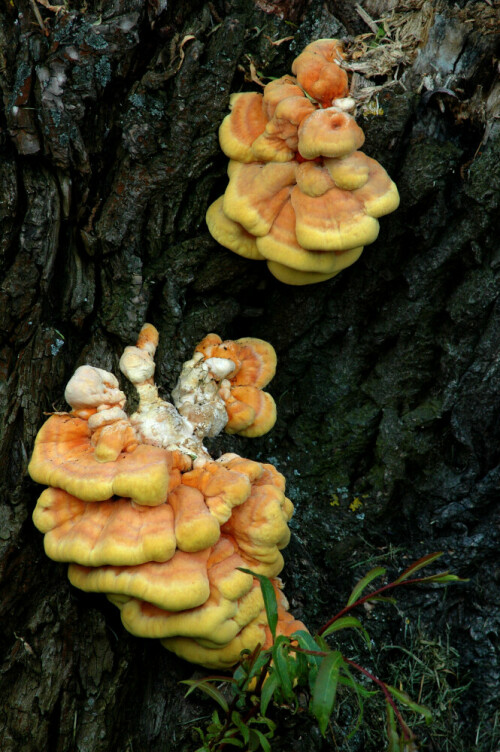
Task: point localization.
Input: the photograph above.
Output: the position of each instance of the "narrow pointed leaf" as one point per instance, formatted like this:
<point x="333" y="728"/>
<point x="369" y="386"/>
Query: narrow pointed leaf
<point x="308" y="642"/>
<point x="382" y="599"/>
<point x="243" y="728"/>
<point x="356" y="687"/>
<point x="441" y="577"/>
<point x="280" y="656"/>
<point x="348" y="622"/>
<point x="325" y="689"/>
<point x="362" y="584"/>
<point x="419" y="564"/>
<point x="392" y="730"/>
<point x="208" y="689"/>
<point x="267" y="692"/>
<point x="348" y="681"/>
<point x="322" y="644"/>
<point x="449" y="578"/>
<point x="264" y="742"/>
<point x="269" y="597"/>
<point x="403" y="698"/>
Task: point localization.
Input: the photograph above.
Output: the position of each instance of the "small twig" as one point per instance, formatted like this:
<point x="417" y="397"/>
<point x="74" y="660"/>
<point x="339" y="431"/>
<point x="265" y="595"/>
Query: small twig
<point x="367" y="18"/>
<point x="214" y="13"/>
<point x="277" y="42"/>
<point x="38" y="17"/>
<point x="53" y="8"/>
<point x="182" y="54"/>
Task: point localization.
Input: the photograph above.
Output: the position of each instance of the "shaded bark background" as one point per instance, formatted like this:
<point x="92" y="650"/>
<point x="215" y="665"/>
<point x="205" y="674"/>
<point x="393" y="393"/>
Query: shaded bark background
<point x="388" y="381"/>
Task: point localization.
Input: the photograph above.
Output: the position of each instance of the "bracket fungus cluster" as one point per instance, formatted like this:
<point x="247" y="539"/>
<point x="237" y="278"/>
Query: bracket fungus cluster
<point x="301" y="195"/>
<point x="142" y="513"/>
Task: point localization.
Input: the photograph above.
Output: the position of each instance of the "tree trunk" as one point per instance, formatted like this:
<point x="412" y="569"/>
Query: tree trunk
<point x="388" y="375"/>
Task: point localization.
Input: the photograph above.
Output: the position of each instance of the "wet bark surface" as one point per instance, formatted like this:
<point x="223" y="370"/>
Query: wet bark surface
<point x="388" y="379"/>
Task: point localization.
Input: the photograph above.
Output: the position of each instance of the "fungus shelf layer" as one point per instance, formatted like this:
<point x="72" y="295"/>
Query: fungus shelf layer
<point x="142" y="513"/>
<point x="301" y="195"/>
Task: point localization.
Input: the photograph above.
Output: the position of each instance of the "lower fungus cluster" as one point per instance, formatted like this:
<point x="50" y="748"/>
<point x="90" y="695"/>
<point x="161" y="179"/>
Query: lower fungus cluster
<point x="142" y="513"/>
<point x="301" y="195"/>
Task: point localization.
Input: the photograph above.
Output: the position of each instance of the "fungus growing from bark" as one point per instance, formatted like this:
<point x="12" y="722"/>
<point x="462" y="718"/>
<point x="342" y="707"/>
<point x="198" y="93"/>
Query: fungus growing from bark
<point x="300" y="194"/>
<point x="251" y="412"/>
<point x="153" y="521"/>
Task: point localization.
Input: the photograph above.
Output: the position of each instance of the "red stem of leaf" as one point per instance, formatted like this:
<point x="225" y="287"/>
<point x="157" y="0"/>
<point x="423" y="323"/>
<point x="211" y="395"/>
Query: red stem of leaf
<point x="367" y="597"/>
<point x="405" y="729"/>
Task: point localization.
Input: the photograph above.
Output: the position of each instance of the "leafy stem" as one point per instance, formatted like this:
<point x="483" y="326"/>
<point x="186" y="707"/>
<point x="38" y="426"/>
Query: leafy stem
<point x="306" y="664"/>
<point x="439" y="578"/>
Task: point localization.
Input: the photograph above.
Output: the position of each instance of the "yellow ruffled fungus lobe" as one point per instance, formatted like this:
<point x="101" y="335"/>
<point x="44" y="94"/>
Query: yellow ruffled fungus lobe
<point x="255" y="632"/>
<point x="300" y="195"/>
<point x="164" y="537"/>
<point x="251" y="411"/>
<point x="65" y="457"/>
<point x="194" y="596"/>
<point x="115" y="531"/>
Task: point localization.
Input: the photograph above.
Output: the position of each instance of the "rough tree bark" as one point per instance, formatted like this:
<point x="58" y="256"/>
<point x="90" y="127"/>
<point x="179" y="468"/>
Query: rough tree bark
<point x="388" y="382"/>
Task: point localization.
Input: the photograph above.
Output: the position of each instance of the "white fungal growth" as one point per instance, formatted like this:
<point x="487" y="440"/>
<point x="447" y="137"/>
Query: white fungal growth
<point x="105" y="416"/>
<point x="220" y="368"/>
<point x="92" y="387"/>
<point x="199" y="410"/>
<point x="345" y="104"/>
<point x="197" y="398"/>
<point x="137" y="365"/>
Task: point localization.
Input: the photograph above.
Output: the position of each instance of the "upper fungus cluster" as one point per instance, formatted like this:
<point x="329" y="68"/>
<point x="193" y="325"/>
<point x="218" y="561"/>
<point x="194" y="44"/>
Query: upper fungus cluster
<point x="141" y="511"/>
<point x="301" y="195"/>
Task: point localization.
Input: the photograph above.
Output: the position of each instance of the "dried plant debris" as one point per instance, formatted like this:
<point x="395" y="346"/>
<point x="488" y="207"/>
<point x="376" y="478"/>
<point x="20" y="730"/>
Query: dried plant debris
<point x="483" y="17"/>
<point x="392" y="40"/>
<point x="397" y="32"/>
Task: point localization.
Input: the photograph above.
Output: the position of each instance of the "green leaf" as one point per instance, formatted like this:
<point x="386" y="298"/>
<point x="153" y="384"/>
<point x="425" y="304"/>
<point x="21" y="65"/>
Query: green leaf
<point x="267" y="692"/>
<point x="299" y="667"/>
<point x="240" y="673"/>
<point x="404" y="699"/>
<point x="362" y="584"/>
<point x="357" y="689"/>
<point x="260" y="664"/>
<point x="232" y="742"/>
<point x="251" y="666"/>
<point x="262" y="740"/>
<point x="354" y="685"/>
<point x="419" y="564"/>
<point x="307" y="642"/>
<point x="321" y="644"/>
<point x="267" y="722"/>
<point x="325" y="689"/>
<point x="209" y="689"/>
<point x="269" y="597"/>
<point x="445" y="577"/>
<point x="215" y="719"/>
<point x="348" y="622"/>
<point x="243" y="728"/>
<point x="392" y="729"/>
<point x="280" y="660"/>
<point x="441" y="577"/>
